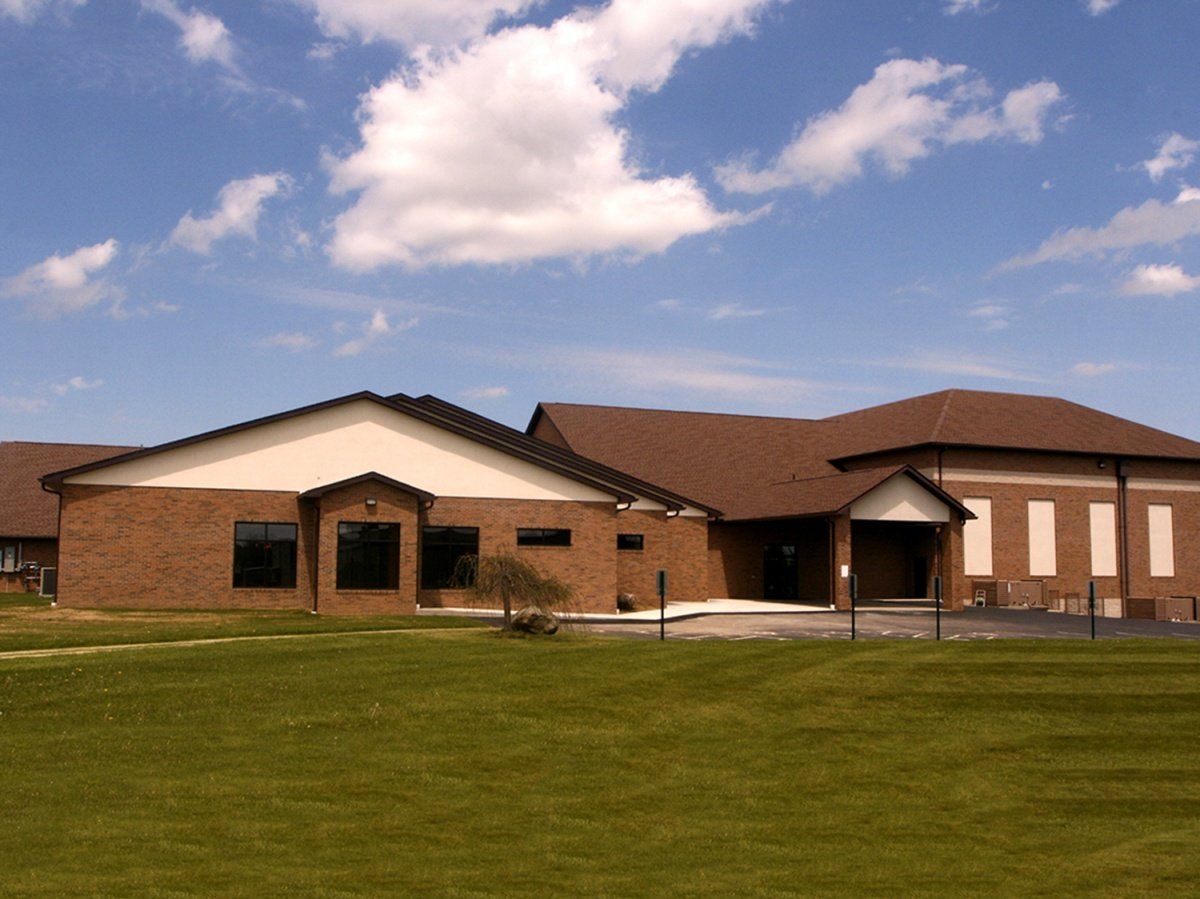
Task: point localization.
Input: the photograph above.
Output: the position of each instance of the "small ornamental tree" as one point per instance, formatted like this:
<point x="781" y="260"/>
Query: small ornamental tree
<point x="505" y="579"/>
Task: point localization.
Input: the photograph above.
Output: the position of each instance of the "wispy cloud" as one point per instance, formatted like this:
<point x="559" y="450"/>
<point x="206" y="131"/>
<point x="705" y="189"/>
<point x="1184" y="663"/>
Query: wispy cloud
<point x="1154" y="223"/>
<point x="960" y="364"/>
<point x="1099" y="7"/>
<point x="76" y="383"/>
<point x="1094" y="369"/>
<point x="486" y="393"/>
<point x="373" y="331"/>
<point x="994" y="316"/>
<point x="26" y="404"/>
<point x="293" y="341"/>
<point x="733" y="310"/>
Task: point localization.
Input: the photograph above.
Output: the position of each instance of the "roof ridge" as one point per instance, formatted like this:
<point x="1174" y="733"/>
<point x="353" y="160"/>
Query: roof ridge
<point x="680" y="411"/>
<point x="62" y="443"/>
<point x="941" y="420"/>
<point x="840" y="474"/>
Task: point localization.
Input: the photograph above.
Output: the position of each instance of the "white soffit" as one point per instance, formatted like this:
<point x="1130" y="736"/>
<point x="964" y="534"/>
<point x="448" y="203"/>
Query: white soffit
<point x="338" y="442"/>
<point x="900" y="498"/>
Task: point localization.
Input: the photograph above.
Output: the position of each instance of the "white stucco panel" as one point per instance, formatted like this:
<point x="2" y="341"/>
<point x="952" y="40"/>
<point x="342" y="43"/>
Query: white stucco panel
<point x="339" y="442"/>
<point x="900" y="498"/>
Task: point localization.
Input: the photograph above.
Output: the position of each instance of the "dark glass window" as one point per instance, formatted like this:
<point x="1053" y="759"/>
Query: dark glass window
<point x="441" y="548"/>
<point x="368" y="556"/>
<point x="543" y="537"/>
<point x="631" y="541"/>
<point x="264" y="555"/>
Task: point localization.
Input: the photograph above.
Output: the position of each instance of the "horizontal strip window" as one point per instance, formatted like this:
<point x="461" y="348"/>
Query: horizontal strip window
<point x="264" y="555"/>
<point x="446" y="557"/>
<point x="368" y="556"/>
<point x="631" y="541"/>
<point x="543" y="537"/>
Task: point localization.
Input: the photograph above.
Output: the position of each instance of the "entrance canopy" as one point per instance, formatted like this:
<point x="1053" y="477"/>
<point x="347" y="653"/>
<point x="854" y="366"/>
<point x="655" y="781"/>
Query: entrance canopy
<point x="896" y="494"/>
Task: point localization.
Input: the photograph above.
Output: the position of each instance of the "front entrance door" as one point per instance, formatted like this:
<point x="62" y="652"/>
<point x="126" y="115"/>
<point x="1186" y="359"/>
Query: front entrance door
<point x="781" y="577"/>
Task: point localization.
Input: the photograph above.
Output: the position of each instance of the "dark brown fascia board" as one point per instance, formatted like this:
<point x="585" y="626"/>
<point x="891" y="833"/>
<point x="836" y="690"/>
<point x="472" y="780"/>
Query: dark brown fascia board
<point x="317" y="492"/>
<point x="405" y="405"/>
<point x="1090" y="454"/>
<point x="670" y="499"/>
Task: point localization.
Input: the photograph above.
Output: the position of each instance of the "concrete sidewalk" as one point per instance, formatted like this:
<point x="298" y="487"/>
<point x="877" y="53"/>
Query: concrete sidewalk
<point x="676" y="611"/>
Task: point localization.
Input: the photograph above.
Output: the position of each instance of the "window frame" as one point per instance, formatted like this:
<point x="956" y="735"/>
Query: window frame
<point x="394" y="574"/>
<point x="447" y="583"/>
<point x="525" y="538"/>
<point x="267" y="525"/>
<point x="641" y="543"/>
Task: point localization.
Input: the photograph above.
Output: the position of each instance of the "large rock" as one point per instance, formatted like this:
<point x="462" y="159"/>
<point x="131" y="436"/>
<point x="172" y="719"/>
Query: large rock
<point x="534" y="621"/>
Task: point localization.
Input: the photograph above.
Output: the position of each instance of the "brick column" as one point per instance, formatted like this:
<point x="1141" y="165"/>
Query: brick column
<point x="953" y="583"/>
<point x="841" y="556"/>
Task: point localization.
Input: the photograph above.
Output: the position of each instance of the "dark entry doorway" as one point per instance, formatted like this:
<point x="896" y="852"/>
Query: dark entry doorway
<point x="781" y="577"/>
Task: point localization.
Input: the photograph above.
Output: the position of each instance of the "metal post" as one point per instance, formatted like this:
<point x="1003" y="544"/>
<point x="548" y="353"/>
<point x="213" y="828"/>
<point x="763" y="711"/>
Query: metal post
<point x="662" y="605"/>
<point x="854" y="607"/>
<point x="1092" y="605"/>
<point x="937" y="602"/>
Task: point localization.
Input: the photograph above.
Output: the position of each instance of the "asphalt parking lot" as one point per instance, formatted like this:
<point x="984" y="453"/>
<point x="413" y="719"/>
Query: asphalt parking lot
<point x="907" y="624"/>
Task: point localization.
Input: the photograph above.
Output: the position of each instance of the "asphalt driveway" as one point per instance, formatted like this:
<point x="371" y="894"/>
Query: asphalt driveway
<point x="897" y="624"/>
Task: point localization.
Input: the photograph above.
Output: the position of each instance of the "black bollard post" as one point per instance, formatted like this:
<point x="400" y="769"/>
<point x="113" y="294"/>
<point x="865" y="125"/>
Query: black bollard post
<point x="937" y="602"/>
<point x="854" y="607"/>
<point x="1092" y="605"/>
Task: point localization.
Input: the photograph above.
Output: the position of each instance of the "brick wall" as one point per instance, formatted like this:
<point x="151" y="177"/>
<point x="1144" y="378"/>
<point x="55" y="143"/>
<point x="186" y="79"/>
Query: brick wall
<point x="677" y="545"/>
<point x="143" y="547"/>
<point x="589" y="564"/>
<point x="735" y="557"/>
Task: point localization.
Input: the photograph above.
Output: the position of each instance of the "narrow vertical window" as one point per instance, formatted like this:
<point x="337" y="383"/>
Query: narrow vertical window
<point x="1043" y="551"/>
<point x="1103" y="517"/>
<point x="977" y="537"/>
<point x="1162" y="540"/>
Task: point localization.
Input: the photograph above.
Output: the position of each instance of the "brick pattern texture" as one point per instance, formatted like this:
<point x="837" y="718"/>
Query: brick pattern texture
<point x="173" y="548"/>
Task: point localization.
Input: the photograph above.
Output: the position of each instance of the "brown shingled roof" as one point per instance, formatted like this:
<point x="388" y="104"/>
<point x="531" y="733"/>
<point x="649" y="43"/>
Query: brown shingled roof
<point x="26" y="510"/>
<point x="1005" y="420"/>
<point x="731" y="461"/>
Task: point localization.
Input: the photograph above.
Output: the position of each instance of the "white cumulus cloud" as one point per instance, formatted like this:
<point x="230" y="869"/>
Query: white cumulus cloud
<point x="239" y="205"/>
<point x="510" y="150"/>
<point x="412" y="22"/>
<point x="908" y="109"/>
<point x="373" y="331"/>
<point x="1152" y="223"/>
<point x="1159" y="280"/>
<point x="63" y="284"/>
<point x="1174" y="152"/>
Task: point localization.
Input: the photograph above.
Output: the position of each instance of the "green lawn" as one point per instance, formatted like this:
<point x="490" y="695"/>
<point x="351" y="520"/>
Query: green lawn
<point x="27" y="622"/>
<point x="464" y="764"/>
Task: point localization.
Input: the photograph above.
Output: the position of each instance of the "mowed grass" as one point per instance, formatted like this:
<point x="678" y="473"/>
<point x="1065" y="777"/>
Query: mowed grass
<point x="467" y="764"/>
<point x="29" y="622"/>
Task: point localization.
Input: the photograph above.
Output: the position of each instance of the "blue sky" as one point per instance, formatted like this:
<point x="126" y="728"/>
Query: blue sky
<point x="217" y="210"/>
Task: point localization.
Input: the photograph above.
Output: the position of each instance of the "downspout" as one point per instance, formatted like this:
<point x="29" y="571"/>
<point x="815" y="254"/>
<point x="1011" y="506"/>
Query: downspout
<point x="941" y="452"/>
<point x="316" y="553"/>
<point x="1123" y="529"/>
<point x="57" y="547"/>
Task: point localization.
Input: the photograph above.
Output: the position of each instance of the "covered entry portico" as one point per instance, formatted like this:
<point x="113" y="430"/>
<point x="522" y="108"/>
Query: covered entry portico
<point x="894" y="528"/>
